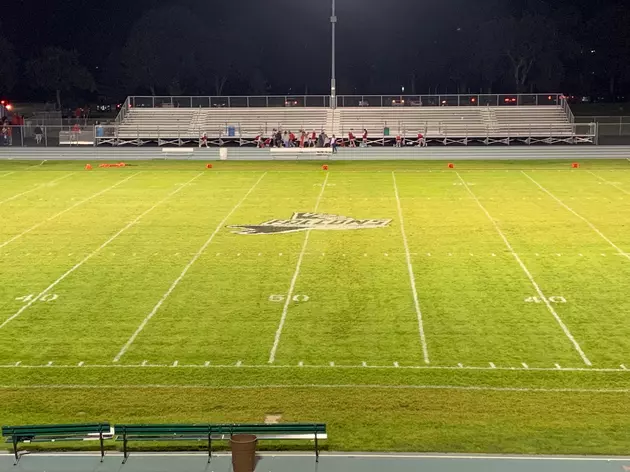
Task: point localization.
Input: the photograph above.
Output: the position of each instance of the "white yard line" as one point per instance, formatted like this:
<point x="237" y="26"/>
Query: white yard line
<point x="412" y="277"/>
<point x="285" y="309"/>
<point x="6" y="174"/>
<point x="95" y="252"/>
<point x="542" y="296"/>
<point x="133" y="337"/>
<point x="8" y="241"/>
<point x="317" y="386"/>
<point x="36" y="188"/>
<point x="591" y="225"/>
<point x="612" y="184"/>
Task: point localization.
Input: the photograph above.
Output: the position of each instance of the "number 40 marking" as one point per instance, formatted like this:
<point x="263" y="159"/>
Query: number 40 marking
<point x="551" y="299"/>
<point x="295" y="298"/>
<point x="49" y="297"/>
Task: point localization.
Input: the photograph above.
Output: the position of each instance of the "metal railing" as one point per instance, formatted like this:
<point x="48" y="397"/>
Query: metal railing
<point x="324" y="101"/>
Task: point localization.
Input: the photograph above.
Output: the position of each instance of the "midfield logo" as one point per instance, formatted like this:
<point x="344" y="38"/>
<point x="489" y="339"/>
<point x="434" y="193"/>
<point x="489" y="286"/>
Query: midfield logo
<point x="306" y="221"/>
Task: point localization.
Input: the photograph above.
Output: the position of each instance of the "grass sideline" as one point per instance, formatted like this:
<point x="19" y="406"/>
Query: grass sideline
<point x="503" y="376"/>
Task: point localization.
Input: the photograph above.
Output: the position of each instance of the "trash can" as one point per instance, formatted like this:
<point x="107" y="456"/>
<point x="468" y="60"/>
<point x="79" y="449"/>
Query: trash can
<point x="386" y="131"/>
<point x="231" y="131"/>
<point x="243" y="452"/>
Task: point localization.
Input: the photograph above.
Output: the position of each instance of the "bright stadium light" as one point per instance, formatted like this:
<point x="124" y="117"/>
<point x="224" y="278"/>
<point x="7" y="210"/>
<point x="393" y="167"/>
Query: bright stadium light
<point x="333" y="78"/>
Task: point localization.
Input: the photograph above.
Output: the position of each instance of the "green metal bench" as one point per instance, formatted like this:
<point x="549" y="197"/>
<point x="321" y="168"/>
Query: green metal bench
<point x="56" y="433"/>
<point x="218" y="432"/>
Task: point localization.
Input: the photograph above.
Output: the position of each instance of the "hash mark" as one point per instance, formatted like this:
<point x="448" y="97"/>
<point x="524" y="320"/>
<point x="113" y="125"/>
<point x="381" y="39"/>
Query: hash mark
<point x="492" y="365"/>
<point x="525" y="365"/>
<point x="175" y="364"/>
<point x="206" y="364"/>
<point x="332" y="364"/>
<point x="49" y="363"/>
<point x="396" y="364"/>
<point x="364" y="364"/>
<point x="17" y="364"/>
<point x="144" y="363"/>
<point x="239" y="363"/>
<point x="460" y="365"/>
<point x="623" y="366"/>
<point x="300" y="364"/>
<point x="80" y="364"/>
<point x="558" y="366"/>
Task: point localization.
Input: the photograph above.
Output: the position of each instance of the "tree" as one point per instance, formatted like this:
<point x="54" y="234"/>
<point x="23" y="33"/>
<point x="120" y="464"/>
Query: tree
<point x="605" y="57"/>
<point x="8" y="66"/>
<point x="165" y="50"/>
<point x="525" y="47"/>
<point x="58" y="70"/>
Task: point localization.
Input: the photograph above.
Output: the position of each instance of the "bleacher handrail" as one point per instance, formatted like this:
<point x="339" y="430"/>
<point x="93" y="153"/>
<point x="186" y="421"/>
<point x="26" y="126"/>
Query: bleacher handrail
<point x="344" y="101"/>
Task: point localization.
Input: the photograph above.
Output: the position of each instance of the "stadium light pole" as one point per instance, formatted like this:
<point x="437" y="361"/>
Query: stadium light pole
<point x="333" y="78"/>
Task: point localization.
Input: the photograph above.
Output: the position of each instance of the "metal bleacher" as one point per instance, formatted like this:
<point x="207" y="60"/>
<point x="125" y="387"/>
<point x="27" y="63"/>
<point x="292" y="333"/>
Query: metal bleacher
<point x="494" y="122"/>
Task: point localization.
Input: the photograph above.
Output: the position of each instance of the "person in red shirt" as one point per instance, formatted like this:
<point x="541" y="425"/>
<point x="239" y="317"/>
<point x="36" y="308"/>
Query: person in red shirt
<point x="421" y="141"/>
<point x="398" y="140"/>
<point x="204" y="140"/>
<point x="74" y="134"/>
<point x="351" y="139"/>
<point x="302" y="138"/>
<point x="365" y="138"/>
<point x="292" y="139"/>
<point x="313" y="139"/>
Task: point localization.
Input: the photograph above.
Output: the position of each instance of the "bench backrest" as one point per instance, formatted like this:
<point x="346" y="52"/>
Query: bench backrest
<point x="153" y="429"/>
<point x="55" y="430"/>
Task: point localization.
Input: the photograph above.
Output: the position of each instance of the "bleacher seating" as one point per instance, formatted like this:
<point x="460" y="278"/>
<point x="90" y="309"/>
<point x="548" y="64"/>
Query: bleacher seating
<point x="447" y="125"/>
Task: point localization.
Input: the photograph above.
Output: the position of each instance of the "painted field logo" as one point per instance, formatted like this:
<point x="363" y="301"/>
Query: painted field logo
<point x="306" y="221"/>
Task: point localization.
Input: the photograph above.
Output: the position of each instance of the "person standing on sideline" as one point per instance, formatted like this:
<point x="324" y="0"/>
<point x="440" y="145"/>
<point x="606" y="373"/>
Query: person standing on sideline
<point x="421" y="141"/>
<point x="398" y="140"/>
<point x="352" y="141"/>
<point x="364" y="142"/>
<point x="204" y="140"/>
<point x="39" y="134"/>
<point x="302" y="138"/>
<point x="333" y="144"/>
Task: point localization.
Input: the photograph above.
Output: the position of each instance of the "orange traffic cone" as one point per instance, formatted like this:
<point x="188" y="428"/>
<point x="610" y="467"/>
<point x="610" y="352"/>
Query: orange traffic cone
<point x="451" y="166"/>
<point x="88" y="167"/>
<point x="575" y="165"/>
<point x="325" y="167"/>
<point x="208" y="166"/>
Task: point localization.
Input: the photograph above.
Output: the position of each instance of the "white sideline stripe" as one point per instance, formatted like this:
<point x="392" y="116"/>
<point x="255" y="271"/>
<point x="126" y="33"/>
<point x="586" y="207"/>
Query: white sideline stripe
<point x="353" y="455"/>
<point x="591" y="225"/>
<point x="477" y="388"/>
<point x="610" y="183"/>
<point x="412" y="277"/>
<point x="542" y="296"/>
<point x="459" y="367"/>
<point x="183" y="274"/>
<point x="36" y="188"/>
<point x="6" y="174"/>
<point x="9" y="241"/>
<point x="287" y="302"/>
<point x="95" y="252"/>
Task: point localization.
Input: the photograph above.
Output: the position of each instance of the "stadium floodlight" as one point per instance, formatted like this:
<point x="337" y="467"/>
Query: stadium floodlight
<point x="333" y="78"/>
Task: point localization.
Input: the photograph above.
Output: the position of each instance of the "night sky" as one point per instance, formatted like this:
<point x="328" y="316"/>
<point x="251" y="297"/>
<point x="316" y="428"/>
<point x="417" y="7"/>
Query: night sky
<point x="381" y="42"/>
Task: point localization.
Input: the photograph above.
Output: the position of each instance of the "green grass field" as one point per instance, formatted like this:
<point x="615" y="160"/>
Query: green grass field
<point x="491" y="314"/>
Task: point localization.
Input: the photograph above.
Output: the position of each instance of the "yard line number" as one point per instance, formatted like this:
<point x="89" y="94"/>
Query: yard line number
<point x="295" y="298"/>
<point x="49" y="297"/>
<point x="555" y="299"/>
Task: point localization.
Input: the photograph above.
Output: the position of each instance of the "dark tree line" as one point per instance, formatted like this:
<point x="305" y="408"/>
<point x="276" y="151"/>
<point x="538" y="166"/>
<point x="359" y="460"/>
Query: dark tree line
<point x="173" y="50"/>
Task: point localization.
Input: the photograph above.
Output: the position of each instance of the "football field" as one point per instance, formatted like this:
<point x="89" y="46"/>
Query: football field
<point x="411" y="307"/>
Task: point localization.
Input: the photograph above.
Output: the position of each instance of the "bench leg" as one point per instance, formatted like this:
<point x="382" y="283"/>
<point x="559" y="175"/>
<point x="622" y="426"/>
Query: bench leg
<point x="15" y="450"/>
<point x="316" y="449"/>
<point x="209" y="447"/>
<point x="102" y="446"/>
<point x="125" y="455"/>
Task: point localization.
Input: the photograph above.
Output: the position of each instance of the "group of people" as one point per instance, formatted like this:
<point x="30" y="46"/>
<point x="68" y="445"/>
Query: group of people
<point x="288" y="139"/>
<point x="304" y="139"/>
